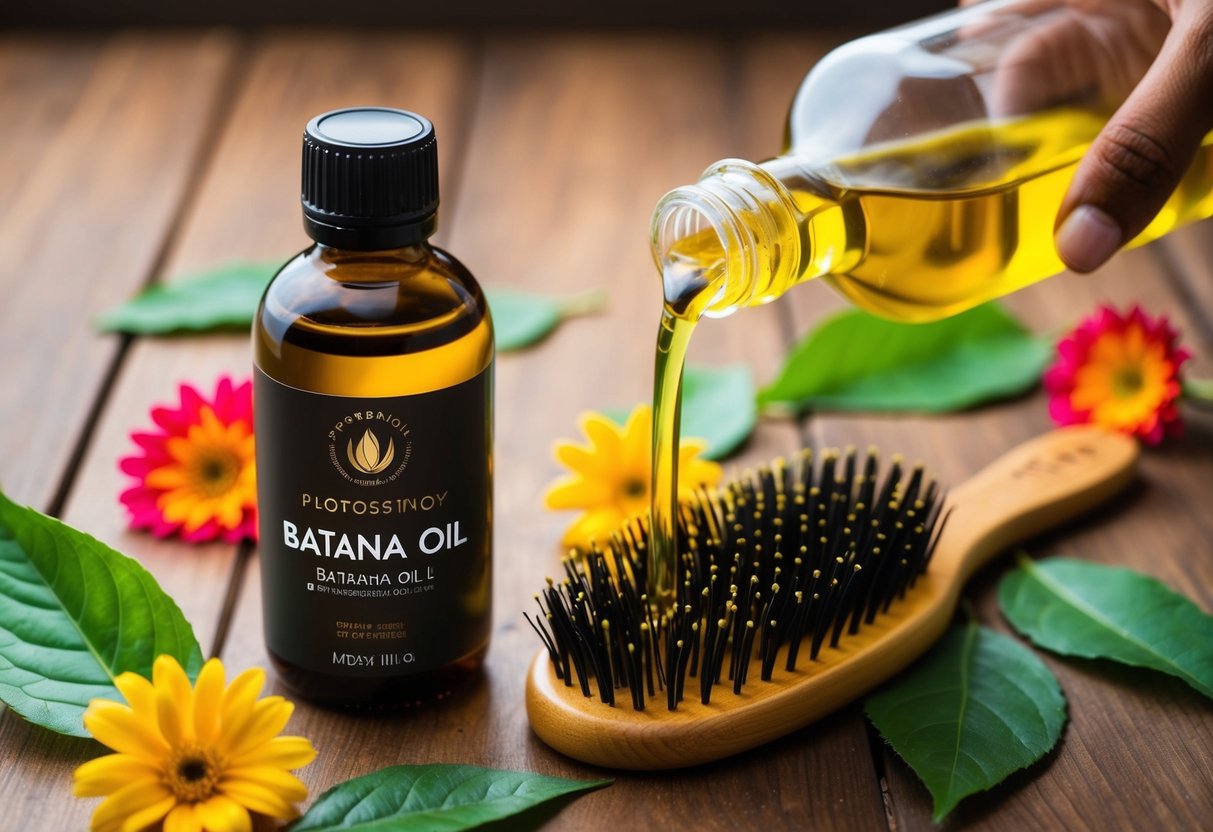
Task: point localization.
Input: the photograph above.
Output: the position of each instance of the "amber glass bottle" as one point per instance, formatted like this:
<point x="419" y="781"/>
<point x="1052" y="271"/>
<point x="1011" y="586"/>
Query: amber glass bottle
<point x="373" y="359"/>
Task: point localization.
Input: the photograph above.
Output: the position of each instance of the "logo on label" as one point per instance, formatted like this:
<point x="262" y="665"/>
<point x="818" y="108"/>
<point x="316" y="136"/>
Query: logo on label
<point x="367" y="457"/>
<point x="370" y="447"/>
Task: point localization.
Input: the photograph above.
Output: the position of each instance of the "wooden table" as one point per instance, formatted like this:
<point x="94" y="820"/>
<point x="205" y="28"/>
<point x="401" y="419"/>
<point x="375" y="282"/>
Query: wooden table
<point x="135" y="157"/>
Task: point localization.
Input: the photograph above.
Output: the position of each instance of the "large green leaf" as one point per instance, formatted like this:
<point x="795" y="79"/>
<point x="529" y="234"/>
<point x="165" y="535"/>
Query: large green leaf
<point x="226" y="296"/>
<point x="521" y="319"/>
<point x="977" y="708"/>
<point x="73" y="615"/>
<point x="433" y="798"/>
<point x="855" y="361"/>
<point x="1104" y="612"/>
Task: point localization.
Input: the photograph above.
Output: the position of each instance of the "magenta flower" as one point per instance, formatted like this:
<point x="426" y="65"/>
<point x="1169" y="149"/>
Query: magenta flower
<point x="1121" y="372"/>
<point x="195" y="476"/>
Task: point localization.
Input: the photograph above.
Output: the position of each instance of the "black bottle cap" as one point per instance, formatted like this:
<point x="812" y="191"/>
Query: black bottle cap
<point x="370" y="178"/>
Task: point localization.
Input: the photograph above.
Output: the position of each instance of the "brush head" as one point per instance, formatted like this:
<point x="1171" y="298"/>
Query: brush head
<point x="774" y="566"/>
<point x="1032" y="488"/>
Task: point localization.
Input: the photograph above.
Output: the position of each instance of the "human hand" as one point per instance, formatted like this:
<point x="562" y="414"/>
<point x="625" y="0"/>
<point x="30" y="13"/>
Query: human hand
<point x="1140" y="156"/>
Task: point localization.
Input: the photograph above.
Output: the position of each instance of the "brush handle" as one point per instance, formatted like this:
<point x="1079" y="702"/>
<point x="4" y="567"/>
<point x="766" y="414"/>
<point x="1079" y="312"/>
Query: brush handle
<point x="1040" y="484"/>
<point x="1037" y="486"/>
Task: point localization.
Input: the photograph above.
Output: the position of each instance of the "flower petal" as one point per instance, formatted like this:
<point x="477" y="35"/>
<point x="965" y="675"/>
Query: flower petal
<point x="141" y="820"/>
<point x="604" y="435"/>
<point x="120" y="728"/>
<point x="283" y="752"/>
<point x="174" y="700"/>
<point x="286" y="785"/>
<point x="595" y="525"/>
<point x="579" y="492"/>
<point x="263" y="722"/>
<point x="138" y="692"/>
<point x="108" y="774"/>
<point x="208" y="696"/>
<point x="222" y="814"/>
<point x="183" y="819"/>
<point x="240" y="695"/>
<point x="141" y="800"/>
<point x="257" y="798"/>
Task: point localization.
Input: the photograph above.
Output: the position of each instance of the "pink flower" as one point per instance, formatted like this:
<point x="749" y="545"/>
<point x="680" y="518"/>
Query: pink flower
<point x="1120" y="372"/>
<point x="195" y="476"/>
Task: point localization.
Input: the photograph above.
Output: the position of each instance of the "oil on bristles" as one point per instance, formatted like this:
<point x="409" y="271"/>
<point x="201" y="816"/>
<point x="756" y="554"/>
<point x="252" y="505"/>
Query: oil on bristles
<point x="775" y="566"/>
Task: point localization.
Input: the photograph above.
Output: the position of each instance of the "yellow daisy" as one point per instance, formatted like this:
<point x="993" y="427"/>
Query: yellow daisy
<point x="197" y="758"/>
<point x="609" y="477"/>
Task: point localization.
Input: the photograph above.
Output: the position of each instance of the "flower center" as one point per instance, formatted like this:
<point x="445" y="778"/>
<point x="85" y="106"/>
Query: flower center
<point x="635" y="487"/>
<point x="1127" y="382"/>
<point x="192" y="774"/>
<point x="216" y="471"/>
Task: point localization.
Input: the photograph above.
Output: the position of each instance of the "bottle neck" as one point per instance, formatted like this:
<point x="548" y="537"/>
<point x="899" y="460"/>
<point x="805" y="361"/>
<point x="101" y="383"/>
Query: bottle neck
<point x="736" y="238"/>
<point x="413" y="253"/>
<point x="357" y="234"/>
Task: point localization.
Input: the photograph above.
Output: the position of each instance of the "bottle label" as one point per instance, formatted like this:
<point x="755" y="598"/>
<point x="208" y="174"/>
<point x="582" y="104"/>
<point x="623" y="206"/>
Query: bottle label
<point x="374" y="526"/>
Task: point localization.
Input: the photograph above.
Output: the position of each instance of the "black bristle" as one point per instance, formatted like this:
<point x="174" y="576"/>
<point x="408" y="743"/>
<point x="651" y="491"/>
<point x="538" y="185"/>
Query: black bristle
<point x="790" y="558"/>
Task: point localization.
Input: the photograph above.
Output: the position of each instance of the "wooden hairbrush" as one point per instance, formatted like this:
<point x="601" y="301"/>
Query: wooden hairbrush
<point x="780" y="573"/>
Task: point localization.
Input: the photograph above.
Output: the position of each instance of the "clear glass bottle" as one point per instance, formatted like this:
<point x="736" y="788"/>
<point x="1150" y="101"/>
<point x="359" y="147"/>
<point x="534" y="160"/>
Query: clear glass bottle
<point x="923" y="170"/>
<point x="924" y="165"/>
<point x="373" y="415"/>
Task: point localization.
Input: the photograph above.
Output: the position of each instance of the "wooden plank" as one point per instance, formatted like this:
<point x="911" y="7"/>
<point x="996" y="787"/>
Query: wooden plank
<point x="40" y="82"/>
<point x="1187" y="256"/>
<point x="92" y="220"/>
<point x="1132" y="754"/>
<point x="478" y="15"/>
<point x="577" y="138"/>
<point x="246" y="208"/>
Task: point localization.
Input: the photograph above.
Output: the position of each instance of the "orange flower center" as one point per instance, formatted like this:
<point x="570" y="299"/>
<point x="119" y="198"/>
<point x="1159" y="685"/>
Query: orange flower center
<point x="1127" y="382"/>
<point x="635" y="488"/>
<point x="192" y="774"/>
<point x="215" y="470"/>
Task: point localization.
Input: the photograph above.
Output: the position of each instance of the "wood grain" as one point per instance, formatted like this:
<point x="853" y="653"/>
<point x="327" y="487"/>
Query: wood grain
<point x="90" y="220"/>
<point x="40" y="84"/>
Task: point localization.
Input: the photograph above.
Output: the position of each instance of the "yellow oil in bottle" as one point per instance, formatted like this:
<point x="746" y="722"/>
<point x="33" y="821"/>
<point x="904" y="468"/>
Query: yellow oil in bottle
<point x="912" y="231"/>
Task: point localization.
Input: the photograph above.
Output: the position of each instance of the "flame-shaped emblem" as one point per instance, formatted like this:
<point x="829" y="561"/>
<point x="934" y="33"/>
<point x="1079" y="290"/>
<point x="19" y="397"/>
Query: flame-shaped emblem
<point x="367" y="457"/>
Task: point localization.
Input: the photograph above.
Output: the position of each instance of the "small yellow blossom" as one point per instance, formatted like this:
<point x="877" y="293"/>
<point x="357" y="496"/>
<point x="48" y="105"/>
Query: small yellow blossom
<point x="197" y="758"/>
<point x="610" y="476"/>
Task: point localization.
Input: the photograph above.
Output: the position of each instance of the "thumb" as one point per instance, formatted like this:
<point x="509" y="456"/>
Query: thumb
<point x="1141" y="155"/>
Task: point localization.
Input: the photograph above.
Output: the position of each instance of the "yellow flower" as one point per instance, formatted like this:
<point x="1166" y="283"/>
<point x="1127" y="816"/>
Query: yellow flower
<point x="610" y="476"/>
<point x="198" y="758"/>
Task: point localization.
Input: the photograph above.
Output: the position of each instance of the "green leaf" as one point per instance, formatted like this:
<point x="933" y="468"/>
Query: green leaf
<point x="226" y="296"/>
<point x="974" y="710"/>
<point x="521" y="319"/>
<point x="74" y="615"/>
<point x="855" y="361"/>
<point x="1103" y="612"/>
<point x="717" y="407"/>
<point x="434" y="798"/>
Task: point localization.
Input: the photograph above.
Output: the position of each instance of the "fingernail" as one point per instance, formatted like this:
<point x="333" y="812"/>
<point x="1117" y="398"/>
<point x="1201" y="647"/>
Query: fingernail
<point x="1087" y="238"/>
